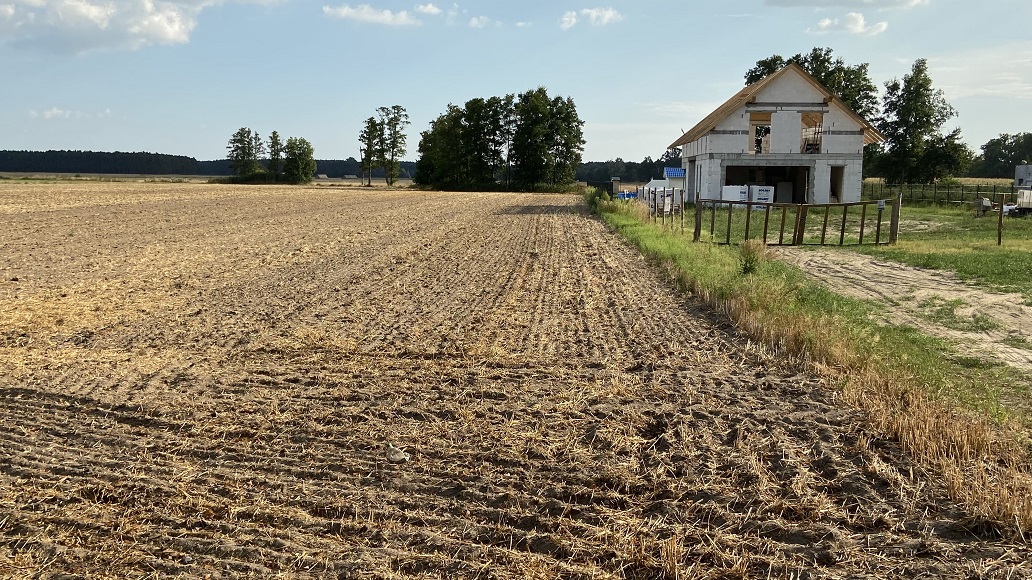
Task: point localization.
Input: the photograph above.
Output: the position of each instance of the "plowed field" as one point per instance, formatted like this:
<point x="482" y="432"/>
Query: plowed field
<point x="202" y="381"/>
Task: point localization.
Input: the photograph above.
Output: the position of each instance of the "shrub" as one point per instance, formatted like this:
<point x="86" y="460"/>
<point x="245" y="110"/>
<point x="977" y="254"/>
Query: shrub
<point x="753" y="254"/>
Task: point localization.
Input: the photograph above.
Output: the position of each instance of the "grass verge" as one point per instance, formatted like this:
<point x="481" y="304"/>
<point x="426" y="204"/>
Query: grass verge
<point x="945" y="413"/>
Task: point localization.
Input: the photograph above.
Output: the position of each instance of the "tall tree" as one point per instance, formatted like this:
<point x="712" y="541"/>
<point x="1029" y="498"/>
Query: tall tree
<point x="299" y="165"/>
<point x="245" y="150"/>
<point x="540" y="138"/>
<point x="369" y="141"/>
<point x="530" y="145"/>
<point x="1001" y="154"/>
<point x="566" y="130"/>
<point x="479" y="138"/>
<point x="852" y="83"/>
<point x="393" y="121"/>
<point x="945" y="156"/>
<point x="275" y="155"/>
<point x="913" y="114"/>
<point x="440" y="162"/>
<point x="507" y="120"/>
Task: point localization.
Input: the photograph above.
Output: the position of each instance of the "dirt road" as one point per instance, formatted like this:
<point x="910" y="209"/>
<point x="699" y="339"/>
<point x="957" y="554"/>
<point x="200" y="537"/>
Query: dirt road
<point x="202" y="381"/>
<point x="984" y="324"/>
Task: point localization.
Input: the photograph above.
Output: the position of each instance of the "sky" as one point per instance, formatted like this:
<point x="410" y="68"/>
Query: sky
<point x="181" y="76"/>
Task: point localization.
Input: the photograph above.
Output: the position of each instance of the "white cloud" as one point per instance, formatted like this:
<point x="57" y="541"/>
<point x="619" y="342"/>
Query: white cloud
<point x="524" y="24"/>
<point x="568" y="21"/>
<point x="995" y="71"/>
<point x="430" y="9"/>
<point x="479" y="22"/>
<point x="57" y="113"/>
<point x="78" y="26"/>
<point x="596" y="16"/>
<point x="602" y="16"/>
<point x="369" y="15"/>
<point x="453" y="14"/>
<point x="853" y="23"/>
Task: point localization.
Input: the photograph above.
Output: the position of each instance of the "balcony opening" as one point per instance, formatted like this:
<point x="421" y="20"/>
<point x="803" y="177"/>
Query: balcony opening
<point x="813" y="133"/>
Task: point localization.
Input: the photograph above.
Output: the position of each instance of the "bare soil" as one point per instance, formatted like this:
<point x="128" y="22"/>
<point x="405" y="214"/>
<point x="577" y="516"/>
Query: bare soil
<point x="985" y="324"/>
<point x="201" y="381"/>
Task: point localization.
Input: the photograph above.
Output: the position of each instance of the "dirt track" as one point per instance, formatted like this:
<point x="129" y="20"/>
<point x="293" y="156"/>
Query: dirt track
<point x="902" y="289"/>
<point x="201" y="382"/>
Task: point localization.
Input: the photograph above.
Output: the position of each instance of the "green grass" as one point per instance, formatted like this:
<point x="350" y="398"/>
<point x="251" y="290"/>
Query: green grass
<point x="954" y="240"/>
<point x="779" y="304"/>
<point x="1017" y="341"/>
<point x="944" y="313"/>
<point x="767" y="226"/>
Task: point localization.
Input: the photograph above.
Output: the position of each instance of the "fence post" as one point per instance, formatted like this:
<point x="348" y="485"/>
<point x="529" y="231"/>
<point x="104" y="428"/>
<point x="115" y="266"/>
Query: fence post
<point x="800" y="232"/>
<point x="730" y="211"/>
<point x="698" y="218"/>
<point x="897" y="202"/>
<point x="662" y="209"/>
<point x="999" y="228"/>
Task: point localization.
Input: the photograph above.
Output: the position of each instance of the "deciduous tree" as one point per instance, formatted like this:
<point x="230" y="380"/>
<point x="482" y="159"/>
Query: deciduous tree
<point x="370" y="140"/>
<point x="275" y="155"/>
<point x="299" y="164"/>
<point x="913" y="114"/>
<point x="393" y="121"/>
<point x="1002" y="154"/>
<point x="245" y="151"/>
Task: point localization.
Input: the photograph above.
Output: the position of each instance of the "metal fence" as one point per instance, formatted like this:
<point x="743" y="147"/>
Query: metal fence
<point x="937" y="194"/>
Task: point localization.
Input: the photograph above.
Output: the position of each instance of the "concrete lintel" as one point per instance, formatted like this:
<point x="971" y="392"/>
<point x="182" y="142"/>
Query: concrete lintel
<point x="775" y="107"/>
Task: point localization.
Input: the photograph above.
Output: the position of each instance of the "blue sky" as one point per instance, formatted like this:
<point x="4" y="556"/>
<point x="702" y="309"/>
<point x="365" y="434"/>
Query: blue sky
<point x="180" y="76"/>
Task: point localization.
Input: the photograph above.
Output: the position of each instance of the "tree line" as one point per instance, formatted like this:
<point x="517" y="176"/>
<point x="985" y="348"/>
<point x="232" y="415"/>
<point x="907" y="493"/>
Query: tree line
<point x="116" y="163"/>
<point x="292" y="160"/>
<point x="521" y="142"/>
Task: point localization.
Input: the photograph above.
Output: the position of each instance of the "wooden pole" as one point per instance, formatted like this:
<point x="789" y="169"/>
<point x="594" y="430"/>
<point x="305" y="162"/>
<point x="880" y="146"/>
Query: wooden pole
<point x="698" y="218"/>
<point x="800" y="233"/>
<point x="877" y="229"/>
<point x="713" y="220"/>
<point x="766" y="222"/>
<point x="999" y="228"/>
<point x="824" y="228"/>
<point x="842" y="234"/>
<point x="784" y="217"/>
<point x="730" y="207"/>
<point x="662" y="210"/>
<point x="748" y="220"/>
<point x="897" y="202"/>
<point x="863" y="222"/>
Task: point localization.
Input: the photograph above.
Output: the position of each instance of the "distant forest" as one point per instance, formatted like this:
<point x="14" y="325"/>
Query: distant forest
<point x="119" y="163"/>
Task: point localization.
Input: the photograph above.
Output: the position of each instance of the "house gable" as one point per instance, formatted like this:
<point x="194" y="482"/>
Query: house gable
<point x="785" y="131"/>
<point x="784" y="94"/>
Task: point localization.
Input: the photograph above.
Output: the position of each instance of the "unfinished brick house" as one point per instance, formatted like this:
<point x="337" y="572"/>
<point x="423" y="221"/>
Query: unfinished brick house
<point x="786" y="131"/>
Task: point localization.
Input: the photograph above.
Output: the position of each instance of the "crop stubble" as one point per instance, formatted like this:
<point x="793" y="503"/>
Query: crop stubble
<point x="200" y="380"/>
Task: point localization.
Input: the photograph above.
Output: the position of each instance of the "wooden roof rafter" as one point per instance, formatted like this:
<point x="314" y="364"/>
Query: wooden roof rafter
<point x="748" y="96"/>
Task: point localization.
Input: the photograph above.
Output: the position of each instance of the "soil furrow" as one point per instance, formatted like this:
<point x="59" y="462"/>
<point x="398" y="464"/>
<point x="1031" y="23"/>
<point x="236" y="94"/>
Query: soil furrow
<point x="210" y="386"/>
